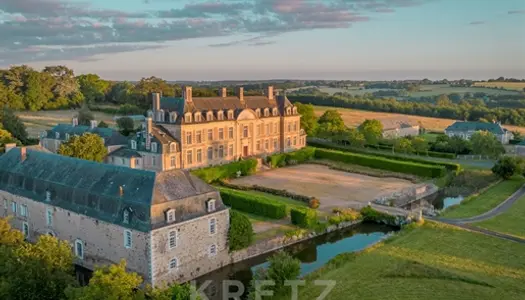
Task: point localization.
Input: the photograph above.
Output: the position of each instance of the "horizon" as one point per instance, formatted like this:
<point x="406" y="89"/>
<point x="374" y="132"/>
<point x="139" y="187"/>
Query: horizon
<point x="224" y="40"/>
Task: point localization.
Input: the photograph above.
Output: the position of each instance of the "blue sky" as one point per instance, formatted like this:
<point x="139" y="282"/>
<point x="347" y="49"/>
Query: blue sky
<point x="265" y="39"/>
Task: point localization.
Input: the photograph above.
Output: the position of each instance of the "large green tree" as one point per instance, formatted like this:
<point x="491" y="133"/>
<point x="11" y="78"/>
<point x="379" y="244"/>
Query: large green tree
<point x="93" y="87"/>
<point x="308" y="118"/>
<point x="88" y="146"/>
<point x="507" y="166"/>
<point x="331" y="124"/>
<point x="14" y="125"/>
<point x="486" y="143"/>
<point x="372" y="130"/>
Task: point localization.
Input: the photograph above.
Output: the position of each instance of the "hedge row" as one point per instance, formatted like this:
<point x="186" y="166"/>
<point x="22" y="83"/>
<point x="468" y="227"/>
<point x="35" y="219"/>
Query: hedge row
<point x="240" y="234"/>
<point x="306" y="218"/>
<point x="253" y="204"/>
<point x="449" y="166"/>
<point x="217" y="173"/>
<point x="423" y="170"/>
<point x="276" y="192"/>
<point x="426" y="153"/>
<point x="296" y="157"/>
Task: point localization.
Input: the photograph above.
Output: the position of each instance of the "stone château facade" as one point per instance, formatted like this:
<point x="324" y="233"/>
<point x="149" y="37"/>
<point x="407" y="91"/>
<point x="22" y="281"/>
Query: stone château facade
<point x="169" y="226"/>
<point x="192" y="132"/>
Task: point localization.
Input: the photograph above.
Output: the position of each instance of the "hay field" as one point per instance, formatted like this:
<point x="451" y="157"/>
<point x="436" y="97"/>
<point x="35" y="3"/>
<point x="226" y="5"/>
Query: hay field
<point x="353" y="118"/>
<point x="519" y="86"/>
<point x="38" y="121"/>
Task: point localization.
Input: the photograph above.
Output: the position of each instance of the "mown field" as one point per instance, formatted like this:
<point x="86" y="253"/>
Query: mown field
<point x="432" y="262"/>
<point x="354" y="118"/>
<point x="510" y="222"/>
<point x="519" y="86"/>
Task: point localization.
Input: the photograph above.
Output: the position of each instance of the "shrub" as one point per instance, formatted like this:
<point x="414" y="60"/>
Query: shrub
<point x="344" y="215"/>
<point x="418" y="169"/>
<point x="253" y="203"/>
<point x="240" y="234"/>
<point x="283" y="267"/>
<point x="305" y="218"/>
<point x="217" y="173"/>
<point x="291" y="158"/>
<point x="314" y="203"/>
<point x="371" y="215"/>
<point x="507" y="166"/>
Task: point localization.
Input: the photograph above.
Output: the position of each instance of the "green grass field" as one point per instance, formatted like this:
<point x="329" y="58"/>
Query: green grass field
<point x="431" y="262"/>
<point x="510" y="222"/>
<point x="487" y="200"/>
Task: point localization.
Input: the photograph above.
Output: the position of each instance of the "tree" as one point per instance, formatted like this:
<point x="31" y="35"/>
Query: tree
<point x="486" y="143"/>
<point x="517" y="135"/>
<point x="308" y="118"/>
<point x="420" y="145"/>
<point x="443" y="100"/>
<point x="110" y="283"/>
<point x="6" y="138"/>
<point x="403" y="145"/>
<point x="89" y="146"/>
<point x="372" y="130"/>
<point x="507" y="166"/>
<point x="355" y="138"/>
<point x="240" y="234"/>
<point x="93" y="87"/>
<point x="459" y="145"/>
<point x="126" y="125"/>
<point x="14" y="125"/>
<point x="85" y="116"/>
<point x="283" y="267"/>
<point x="331" y="124"/>
<point x="8" y="235"/>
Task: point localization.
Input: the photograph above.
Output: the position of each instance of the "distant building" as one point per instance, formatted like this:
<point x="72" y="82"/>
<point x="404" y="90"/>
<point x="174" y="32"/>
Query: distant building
<point x="466" y="129"/>
<point x="398" y="127"/>
<point x="168" y="226"/>
<point x="51" y="139"/>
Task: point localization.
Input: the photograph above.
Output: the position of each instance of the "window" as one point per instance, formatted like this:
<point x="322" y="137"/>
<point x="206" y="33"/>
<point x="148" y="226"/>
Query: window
<point x="230" y="150"/>
<point x="188" y="138"/>
<point x="174" y="264"/>
<point x="137" y="161"/>
<point x="288" y="111"/>
<point x="289" y="127"/>
<point x="154" y="147"/>
<point x="67" y="136"/>
<point x="199" y="155"/>
<point x="210" y="135"/>
<point x="197" y="117"/>
<point x="125" y="216"/>
<point x="172" y="161"/>
<point x="209" y="116"/>
<point x="276" y="127"/>
<point x="210" y="153"/>
<point x="128" y="241"/>
<point x="134" y="145"/>
<point x="198" y="137"/>
<point x="213" y="250"/>
<point x="266" y="145"/>
<point x="170" y="216"/>
<point x="49" y="217"/>
<point x="295" y="126"/>
<point x="211" y="205"/>
<point x="258" y="145"/>
<point x="173" y="117"/>
<point x="154" y="160"/>
<point x="275" y="144"/>
<point x="258" y="129"/>
<point x="187" y="118"/>
<point x="23" y="210"/>
<point x="25" y="229"/>
<point x="230" y="132"/>
<point x="230" y="115"/>
<point x="258" y="113"/>
<point x="48" y="196"/>
<point x="266" y="112"/>
<point x="221" y="133"/>
<point x="288" y="143"/>
<point x="213" y="223"/>
<point x="220" y="115"/>
<point x="245" y="131"/>
<point x="79" y="249"/>
<point x="189" y="157"/>
<point x="13" y="207"/>
<point x="274" y="111"/>
<point x="221" y="151"/>
<point x="173" y="147"/>
<point x="57" y="135"/>
<point x="172" y="239"/>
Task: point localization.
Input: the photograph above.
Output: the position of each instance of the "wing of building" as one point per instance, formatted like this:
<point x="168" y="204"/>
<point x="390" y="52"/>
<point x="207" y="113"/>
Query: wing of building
<point x="169" y="226"/>
<point x="191" y="132"/>
<point x="399" y="127"/>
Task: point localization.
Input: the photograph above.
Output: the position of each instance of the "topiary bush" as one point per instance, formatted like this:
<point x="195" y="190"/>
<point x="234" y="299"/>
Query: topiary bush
<point x="314" y="203"/>
<point x="253" y="203"/>
<point x="217" y="173"/>
<point x="240" y="234"/>
<point x="306" y="218"/>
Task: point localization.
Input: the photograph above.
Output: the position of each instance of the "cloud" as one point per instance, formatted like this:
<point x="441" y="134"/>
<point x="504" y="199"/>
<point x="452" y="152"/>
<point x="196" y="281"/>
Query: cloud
<point x="477" y="23"/>
<point x="514" y="12"/>
<point x="82" y="30"/>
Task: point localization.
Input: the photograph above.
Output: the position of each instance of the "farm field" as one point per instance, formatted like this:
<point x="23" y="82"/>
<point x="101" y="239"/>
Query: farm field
<point x="426" y="90"/>
<point x="519" y="86"/>
<point x="479" y="204"/>
<point x="38" y="121"/>
<point x="333" y="188"/>
<point x="433" y="262"/>
<point x="354" y="118"/>
<point x="510" y="222"/>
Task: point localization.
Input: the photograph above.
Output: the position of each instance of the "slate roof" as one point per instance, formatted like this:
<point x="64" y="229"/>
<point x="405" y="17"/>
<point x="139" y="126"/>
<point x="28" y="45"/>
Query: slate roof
<point x="93" y="189"/>
<point x="396" y="123"/>
<point x="125" y="152"/>
<point x="494" y="128"/>
<point x="111" y="136"/>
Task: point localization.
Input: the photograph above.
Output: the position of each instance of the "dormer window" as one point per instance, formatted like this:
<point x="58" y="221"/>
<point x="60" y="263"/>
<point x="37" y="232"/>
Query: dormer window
<point x="134" y="145"/>
<point x="288" y="111"/>
<point x="209" y="116"/>
<point x="67" y="136"/>
<point x="258" y="113"/>
<point x="187" y="118"/>
<point x="197" y="117"/>
<point x="294" y="110"/>
<point x="170" y="216"/>
<point x="48" y="196"/>
<point x="220" y="115"/>
<point x="173" y="117"/>
<point x="266" y="112"/>
<point x="274" y="112"/>
<point x="211" y="205"/>
<point x="57" y="135"/>
<point x="230" y="115"/>
<point x="126" y="216"/>
<point x="154" y="147"/>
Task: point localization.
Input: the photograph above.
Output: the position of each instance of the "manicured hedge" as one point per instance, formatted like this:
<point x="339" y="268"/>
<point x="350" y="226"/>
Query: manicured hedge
<point x="371" y="215"/>
<point x="426" y="153"/>
<point x="376" y="162"/>
<point x="282" y="193"/>
<point x="253" y="203"/>
<point x="212" y="174"/>
<point x="240" y="234"/>
<point x="296" y="157"/>
<point x="449" y="166"/>
<point x="305" y="218"/>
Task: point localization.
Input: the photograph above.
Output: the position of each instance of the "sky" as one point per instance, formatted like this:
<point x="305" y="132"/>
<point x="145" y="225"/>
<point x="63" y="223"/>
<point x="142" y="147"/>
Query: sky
<point x="268" y="39"/>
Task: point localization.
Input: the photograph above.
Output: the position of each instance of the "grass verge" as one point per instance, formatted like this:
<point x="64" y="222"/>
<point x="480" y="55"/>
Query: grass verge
<point x="510" y="222"/>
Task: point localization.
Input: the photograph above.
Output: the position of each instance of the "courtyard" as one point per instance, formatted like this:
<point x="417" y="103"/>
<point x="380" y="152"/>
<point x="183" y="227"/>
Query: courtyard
<point x="333" y="188"/>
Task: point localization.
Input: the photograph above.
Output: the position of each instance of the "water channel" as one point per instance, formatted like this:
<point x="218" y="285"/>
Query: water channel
<point x="313" y="254"/>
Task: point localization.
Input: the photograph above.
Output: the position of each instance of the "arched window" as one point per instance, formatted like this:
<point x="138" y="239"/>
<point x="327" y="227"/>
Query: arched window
<point x="220" y="115"/>
<point x="197" y="117"/>
<point x="230" y="114"/>
<point x="79" y="249"/>
<point x="209" y="116"/>
<point x="258" y="113"/>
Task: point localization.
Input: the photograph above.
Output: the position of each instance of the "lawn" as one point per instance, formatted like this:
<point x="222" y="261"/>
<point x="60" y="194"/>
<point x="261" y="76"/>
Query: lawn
<point x="432" y="262"/>
<point x="430" y="137"/>
<point x="510" y="222"/>
<point x="485" y="201"/>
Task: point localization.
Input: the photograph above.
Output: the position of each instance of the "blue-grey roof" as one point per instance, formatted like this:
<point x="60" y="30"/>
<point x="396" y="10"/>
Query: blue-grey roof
<point x="111" y="136"/>
<point x="494" y="128"/>
<point x="93" y="189"/>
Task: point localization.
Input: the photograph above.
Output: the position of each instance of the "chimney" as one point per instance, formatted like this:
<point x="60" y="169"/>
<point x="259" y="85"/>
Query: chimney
<point x="240" y="92"/>
<point x="187" y="94"/>
<point x="23" y="153"/>
<point x="270" y="92"/>
<point x="148" y="132"/>
<point x="74" y="121"/>
<point x="9" y="146"/>
<point x="223" y="92"/>
<point x="155" y="99"/>
<point x="93" y="124"/>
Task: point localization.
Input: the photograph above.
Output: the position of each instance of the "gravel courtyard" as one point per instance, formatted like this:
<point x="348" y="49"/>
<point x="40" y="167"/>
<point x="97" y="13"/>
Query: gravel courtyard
<point x="333" y="188"/>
